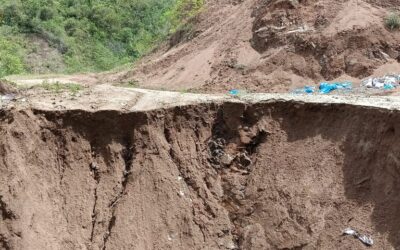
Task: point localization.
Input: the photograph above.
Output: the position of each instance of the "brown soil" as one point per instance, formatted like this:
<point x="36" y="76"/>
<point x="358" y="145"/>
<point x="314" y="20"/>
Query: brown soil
<point x="7" y="87"/>
<point x="278" y="175"/>
<point x="273" y="46"/>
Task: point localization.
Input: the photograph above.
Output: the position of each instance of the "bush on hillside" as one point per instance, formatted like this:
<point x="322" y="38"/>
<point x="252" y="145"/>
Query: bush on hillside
<point x="96" y="34"/>
<point x="11" y="61"/>
<point x="393" y="21"/>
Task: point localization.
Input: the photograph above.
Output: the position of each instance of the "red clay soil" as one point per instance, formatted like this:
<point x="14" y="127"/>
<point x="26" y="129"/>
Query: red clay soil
<point x="277" y="175"/>
<point x="273" y="46"/>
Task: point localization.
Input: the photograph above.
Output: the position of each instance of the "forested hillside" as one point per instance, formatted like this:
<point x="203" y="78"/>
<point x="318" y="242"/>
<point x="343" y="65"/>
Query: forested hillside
<point x="65" y="36"/>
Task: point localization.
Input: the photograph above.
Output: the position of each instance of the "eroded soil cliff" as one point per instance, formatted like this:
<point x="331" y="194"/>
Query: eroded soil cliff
<point x="277" y="175"/>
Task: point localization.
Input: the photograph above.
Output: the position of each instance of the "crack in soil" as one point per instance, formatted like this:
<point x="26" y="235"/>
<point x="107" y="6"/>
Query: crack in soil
<point x="96" y="176"/>
<point x="188" y="182"/>
<point x="234" y="194"/>
<point x="128" y="157"/>
<point x="4" y="243"/>
<point x="6" y="213"/>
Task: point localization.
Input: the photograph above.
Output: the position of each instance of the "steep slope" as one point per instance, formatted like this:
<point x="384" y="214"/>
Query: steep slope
<point x="274" y="45"/>
<point x="277" y="175"/>
<point x="62" y="36"/>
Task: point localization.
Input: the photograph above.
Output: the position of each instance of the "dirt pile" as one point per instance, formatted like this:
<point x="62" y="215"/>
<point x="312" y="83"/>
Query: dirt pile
<point x="7" y="87"/>
<point x="274" y="46"/>
<point x="325" y="39"/>
<point x="278" y="175"/>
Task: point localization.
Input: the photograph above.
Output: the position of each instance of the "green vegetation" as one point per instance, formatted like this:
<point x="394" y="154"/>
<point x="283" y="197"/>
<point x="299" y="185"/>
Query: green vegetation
<point x="60" y="87"/>
<point x="392" y="21"/>
<point x="91" y="35"/>
<point x="11" y="57"/>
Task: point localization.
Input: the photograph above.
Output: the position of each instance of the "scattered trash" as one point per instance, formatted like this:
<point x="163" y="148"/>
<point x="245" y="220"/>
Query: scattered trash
<point x="301" y="29"/>
<point x="237" y="92"/>
<point x="367" y="240"/>
<point x="325" y="87"/>
<point x="304" y="90"/>
<point x="388" y="86"/>
<point x="387" y="82"/>
<point x="8" y="97"/>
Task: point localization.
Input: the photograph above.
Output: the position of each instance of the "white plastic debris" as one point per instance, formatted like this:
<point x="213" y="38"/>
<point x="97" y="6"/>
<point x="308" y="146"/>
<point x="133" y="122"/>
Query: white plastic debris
<point x="387" y="82"/>
<point x="367" y="240"/>
<point x="349" y="231"/>
<point x="8" y="97"/>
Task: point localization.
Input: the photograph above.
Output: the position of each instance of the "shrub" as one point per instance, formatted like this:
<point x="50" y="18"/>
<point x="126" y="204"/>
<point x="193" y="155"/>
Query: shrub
<point x="10" y="58"/>
<point x="46" y="14"/>
<point x="12" y="15"/>
<point x="393" y="21"/>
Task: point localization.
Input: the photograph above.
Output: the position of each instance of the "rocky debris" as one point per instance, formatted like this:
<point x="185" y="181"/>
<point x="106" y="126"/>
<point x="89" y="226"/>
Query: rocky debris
<point x="8" y="92"/>
<point x="216" y="151"/>
<point x="93" y="166"/>
<point x="243" y="159"/>
<point x="226" y="159"/>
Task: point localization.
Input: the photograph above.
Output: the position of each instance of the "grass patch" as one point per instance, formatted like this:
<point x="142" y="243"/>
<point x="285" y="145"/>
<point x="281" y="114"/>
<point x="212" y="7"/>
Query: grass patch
<point x="58" y="87"/>
<point x="392" y="21"/>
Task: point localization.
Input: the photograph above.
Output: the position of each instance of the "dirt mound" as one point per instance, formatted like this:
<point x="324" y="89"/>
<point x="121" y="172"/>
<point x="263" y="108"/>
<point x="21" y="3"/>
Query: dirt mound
<point x="7" y="87"/>
<point x="279" y="175"/>
<point x="325" y="40"/>
<point x="273" y="46"/>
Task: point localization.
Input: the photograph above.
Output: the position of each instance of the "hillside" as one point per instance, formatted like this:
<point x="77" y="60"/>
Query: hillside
<point x="63" y="36"/>
<point x="116" y="160"/>
<point x="274" y="46"/>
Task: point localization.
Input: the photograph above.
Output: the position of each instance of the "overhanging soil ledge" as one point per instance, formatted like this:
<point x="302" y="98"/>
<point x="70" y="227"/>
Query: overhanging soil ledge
<point x="277" y="175"/>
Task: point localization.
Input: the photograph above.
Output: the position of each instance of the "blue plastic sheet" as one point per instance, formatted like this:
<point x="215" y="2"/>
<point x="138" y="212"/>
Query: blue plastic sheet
<point x="388" y="86"/>
<point x="325" y="87"/>
<point x="234" y="92"/>
<point x="304" y="90"/>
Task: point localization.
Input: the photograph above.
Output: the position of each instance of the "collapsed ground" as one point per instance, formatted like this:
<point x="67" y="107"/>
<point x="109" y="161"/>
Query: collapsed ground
<point x="276" y="175"/>
<point x="102" y="167"/>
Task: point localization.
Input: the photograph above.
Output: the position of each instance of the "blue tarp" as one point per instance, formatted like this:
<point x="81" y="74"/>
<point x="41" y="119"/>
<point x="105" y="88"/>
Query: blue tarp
<point x="325" y="87"/>
<point x="304" y="90"/>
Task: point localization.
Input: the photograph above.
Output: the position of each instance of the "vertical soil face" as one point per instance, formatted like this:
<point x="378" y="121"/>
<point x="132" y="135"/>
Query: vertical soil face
<point x="266" y="176"/>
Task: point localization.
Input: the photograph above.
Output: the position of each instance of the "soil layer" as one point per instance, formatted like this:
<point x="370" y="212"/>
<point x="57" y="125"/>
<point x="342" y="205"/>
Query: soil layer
<point x="277" y="175"/>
